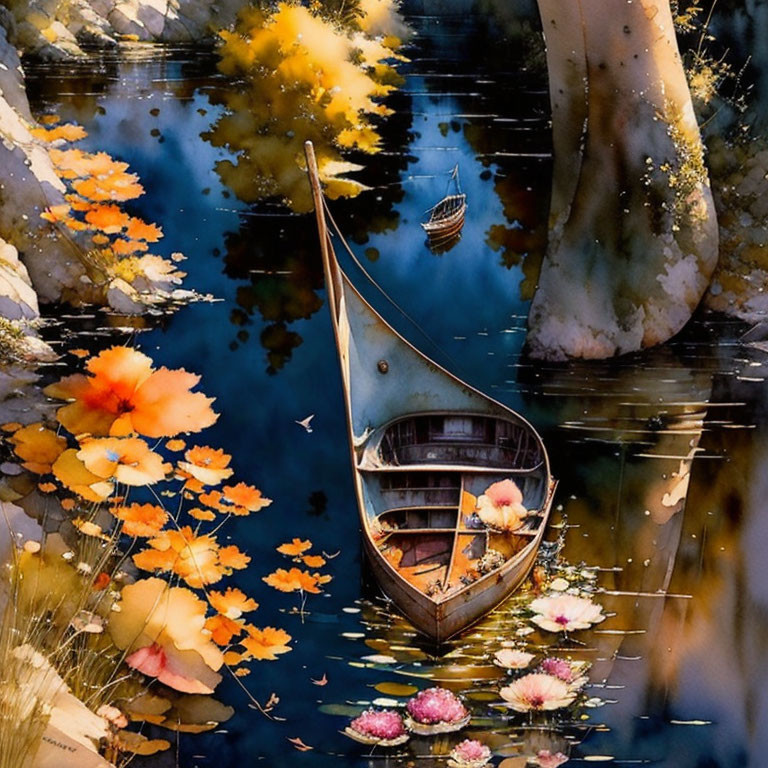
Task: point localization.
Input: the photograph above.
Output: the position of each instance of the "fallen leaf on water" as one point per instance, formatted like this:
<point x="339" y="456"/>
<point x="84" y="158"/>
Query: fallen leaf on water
<point x="313" y="561"/>
<point x="272" y="701"/>
<point x="322" y="681"/>
<point x="300" y="745"/>
<point x="295" y="547"/>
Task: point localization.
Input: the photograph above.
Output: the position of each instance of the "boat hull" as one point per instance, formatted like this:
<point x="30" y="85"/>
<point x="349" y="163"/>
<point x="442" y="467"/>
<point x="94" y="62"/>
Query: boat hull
<point x="447" y="227"/>
<point x="441" y="620"/>
<point x="408" y="415"/>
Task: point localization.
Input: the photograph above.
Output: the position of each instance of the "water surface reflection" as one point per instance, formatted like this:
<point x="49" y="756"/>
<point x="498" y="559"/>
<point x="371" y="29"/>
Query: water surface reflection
<point x="659" y="455"/>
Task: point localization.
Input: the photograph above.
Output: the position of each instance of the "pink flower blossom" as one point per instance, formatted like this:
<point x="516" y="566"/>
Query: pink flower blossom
<point x="559" y="668"/>
<point x="436" y="705"/>
<point x="504" y="493"/>
<point x="537" y="692"/>
<point x="470" y="753"/>
<point x="385" y="725"/>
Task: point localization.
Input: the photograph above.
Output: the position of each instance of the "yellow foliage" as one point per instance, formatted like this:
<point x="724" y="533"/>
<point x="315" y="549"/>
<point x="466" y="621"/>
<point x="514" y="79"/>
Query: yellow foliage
<point x="306" y="78"/>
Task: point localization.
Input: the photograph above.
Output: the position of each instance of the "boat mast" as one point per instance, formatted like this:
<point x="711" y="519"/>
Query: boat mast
<point x="332" y="278"/>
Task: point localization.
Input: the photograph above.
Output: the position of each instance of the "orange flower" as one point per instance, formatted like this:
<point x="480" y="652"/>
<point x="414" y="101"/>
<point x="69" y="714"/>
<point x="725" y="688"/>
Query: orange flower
<point x="11" y="426"/>
<point x="47" y="487"/>
<point x="66" y="132"/>
<point x="38" y="446"/>
<point x="207" y="465"/>
<point x="223" y="629"/>
<point x="265" y="644"/>
<point x="295" y="547"/>
<point x="108" y="218"/>
<point x="141" y="519"/>
<point x="75" y="476"/>
<point x="156" y="559"/>
<point x="176" y="445"/>
<point x="191" y="486"/>
<point x="128" y="460"/>
<point x="321" y="578"/>
<point x="231" y="658"/>
<point x="246" y="497"/>
<point x="214" y="499"/>
<point x="124" y="394"/>
<point x="75" y="224"/>
<point x="140" y="230"/>
<point x="313" y="561"/>
<point x="293" y="580"/>
<point x="127" y="247"/>
<point x="196" y="559"/>
<point x="233" y="603"/>
<point x="55" y="213"/>
<point x="72" y="163"/>
<point x="68" y="504"/>
<point x="201" y="514"/>
<point x="113" y="186"/>
<point x="161" y="628"/>
<point x="78" y="203"/>
<point x="232" y="557"/>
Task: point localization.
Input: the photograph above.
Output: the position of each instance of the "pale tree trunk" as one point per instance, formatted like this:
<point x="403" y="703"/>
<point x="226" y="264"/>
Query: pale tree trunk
<point x="633" y="235"/>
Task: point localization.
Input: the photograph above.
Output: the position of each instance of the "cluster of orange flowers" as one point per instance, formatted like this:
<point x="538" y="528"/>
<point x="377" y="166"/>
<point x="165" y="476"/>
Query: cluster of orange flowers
<point x="296" y="579"/>
<point x="98" y="185"/>
<point x="110" y="409"/>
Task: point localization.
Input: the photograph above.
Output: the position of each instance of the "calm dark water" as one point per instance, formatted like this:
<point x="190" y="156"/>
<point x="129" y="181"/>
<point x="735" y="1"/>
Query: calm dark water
<point x="678" y="672"/>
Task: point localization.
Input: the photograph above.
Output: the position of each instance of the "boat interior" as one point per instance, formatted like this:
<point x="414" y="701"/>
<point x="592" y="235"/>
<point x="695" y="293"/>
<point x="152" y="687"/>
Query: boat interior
<point x="421" y="486"/>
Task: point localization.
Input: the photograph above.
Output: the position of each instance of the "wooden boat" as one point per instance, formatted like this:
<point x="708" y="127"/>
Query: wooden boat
<point x="447" y="217"/>
<point x="424" y="446"/>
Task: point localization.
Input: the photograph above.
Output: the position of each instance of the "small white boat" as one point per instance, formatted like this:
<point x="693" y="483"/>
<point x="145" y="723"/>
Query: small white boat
<point x="424" y="446"/>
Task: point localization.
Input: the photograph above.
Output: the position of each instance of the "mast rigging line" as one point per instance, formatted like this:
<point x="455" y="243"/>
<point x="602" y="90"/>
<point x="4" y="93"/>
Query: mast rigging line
<point x="378" y="287"/>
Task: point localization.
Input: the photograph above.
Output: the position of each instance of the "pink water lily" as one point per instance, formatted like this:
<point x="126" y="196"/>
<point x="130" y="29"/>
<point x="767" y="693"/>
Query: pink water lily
<point x="380" y="727"/>
<point x="537" y="692"/>
<point x="436" y="705"/>
<point x="436" y="710"/>
<point x="565" y="613"/>
<point x="470" y="753"/>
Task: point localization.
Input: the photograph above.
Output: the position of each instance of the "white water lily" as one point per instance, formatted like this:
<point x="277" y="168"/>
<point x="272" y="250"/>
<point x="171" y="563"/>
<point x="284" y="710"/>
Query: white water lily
<point x="537" y="692"/>
<point x="565" y="613"/>
<point x="511" y="658"/>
